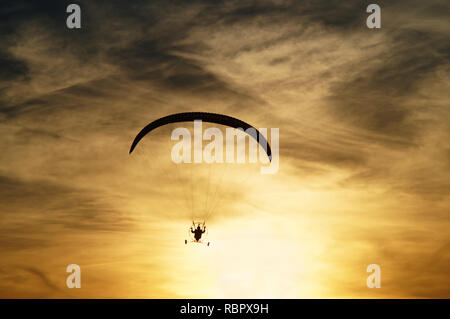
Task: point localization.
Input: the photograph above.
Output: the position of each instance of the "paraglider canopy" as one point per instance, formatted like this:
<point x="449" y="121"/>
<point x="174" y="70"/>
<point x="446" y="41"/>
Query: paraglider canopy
<point x="205" y="117"/>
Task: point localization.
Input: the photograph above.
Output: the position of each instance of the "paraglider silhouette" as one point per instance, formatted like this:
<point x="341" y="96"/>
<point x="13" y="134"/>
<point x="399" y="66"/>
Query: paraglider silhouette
<point x="205" y="117"/>
<point x="198" y="230"/>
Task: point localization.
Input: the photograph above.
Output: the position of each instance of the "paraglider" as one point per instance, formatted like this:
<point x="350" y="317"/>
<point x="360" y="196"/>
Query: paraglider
<point x="198" y="232"/>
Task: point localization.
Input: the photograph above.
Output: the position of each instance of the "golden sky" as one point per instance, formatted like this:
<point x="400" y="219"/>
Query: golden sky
<point x="364" y="174"/>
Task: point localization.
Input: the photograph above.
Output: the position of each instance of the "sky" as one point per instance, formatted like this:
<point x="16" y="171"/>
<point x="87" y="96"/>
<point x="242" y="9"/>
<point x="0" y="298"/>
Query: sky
<point x="364" y="165"/>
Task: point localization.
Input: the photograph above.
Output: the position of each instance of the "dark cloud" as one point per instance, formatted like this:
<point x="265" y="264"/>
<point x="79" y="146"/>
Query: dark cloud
<point x="376" y="99"/>
<point x="56" y="204"/>
<point x="44" y="279"/>
<point x="12" y="243"/>
<point x="11" y="68"/>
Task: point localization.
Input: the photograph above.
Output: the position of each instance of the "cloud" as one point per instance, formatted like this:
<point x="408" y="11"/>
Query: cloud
<point x="34" y="205"/>
<point x="44" y="279"/>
